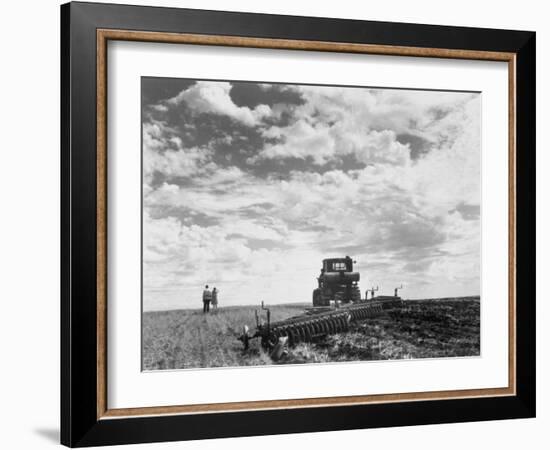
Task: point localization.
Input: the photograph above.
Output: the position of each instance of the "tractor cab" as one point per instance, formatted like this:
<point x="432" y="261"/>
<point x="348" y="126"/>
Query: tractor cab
<point x="338" y="264"/>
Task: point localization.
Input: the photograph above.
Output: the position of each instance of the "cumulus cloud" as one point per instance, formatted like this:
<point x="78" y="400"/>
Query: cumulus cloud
<point x="214" y="98"/>
<point x="322" y="142"/>
<point x="336" y="122"/>
<point x="164" y="153"/>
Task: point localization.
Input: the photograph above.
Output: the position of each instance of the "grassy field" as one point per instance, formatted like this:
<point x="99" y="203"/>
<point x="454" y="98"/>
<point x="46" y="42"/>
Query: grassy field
<point x="182" y="339"/>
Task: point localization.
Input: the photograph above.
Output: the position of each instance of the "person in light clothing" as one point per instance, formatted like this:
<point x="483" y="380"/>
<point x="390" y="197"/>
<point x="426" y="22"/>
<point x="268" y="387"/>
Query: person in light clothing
<point x="206" y="299"/>
<point x="214" y="298"/>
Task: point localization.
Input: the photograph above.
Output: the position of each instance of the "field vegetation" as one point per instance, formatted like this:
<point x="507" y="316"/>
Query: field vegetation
<point x="182" y="339"/>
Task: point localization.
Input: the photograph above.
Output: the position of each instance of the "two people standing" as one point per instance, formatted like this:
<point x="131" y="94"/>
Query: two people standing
<point x="209" y="296"/>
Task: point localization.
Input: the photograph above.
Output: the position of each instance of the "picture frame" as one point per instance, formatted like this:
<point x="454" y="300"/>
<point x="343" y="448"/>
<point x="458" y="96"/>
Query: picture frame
<point x="86" y="29"/>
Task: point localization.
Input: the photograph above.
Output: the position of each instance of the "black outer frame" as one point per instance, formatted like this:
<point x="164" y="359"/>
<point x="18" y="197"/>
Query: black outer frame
<point x="79" y="424"/>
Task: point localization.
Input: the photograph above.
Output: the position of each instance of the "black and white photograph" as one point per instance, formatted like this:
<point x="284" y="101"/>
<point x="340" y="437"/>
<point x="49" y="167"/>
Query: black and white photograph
<point x="290" y="223"/>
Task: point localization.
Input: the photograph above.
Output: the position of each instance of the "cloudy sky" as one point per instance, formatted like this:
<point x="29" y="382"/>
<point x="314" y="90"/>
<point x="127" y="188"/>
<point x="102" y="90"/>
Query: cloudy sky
<point x="248" y="186"/>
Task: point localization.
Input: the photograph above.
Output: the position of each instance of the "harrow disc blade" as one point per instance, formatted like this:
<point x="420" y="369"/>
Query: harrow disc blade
<point x="346" y="323"/>
<point x="309" y="332"/>
<point x="317" y="327"/>
<point x="313" y="328"/>
<point x="292" y="337"/>
<point x="331" y="327"/>
<point x="300" y="332"/>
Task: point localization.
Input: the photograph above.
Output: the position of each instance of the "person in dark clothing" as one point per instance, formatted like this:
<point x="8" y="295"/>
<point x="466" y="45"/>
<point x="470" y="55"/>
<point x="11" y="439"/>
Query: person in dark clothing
<point x="206" y="299"/>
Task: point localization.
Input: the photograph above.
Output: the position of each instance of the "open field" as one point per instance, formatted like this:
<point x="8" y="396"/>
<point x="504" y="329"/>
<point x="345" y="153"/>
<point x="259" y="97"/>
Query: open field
<point x="182" y="339"/>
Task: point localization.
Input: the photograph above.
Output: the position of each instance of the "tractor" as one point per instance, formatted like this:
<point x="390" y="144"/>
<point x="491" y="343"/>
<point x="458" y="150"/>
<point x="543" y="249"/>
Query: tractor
<point x="337" y="283"/>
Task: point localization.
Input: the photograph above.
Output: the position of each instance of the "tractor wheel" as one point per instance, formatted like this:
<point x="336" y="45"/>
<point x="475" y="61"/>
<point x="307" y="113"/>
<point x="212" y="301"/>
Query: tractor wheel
<point x="317" y="297"/>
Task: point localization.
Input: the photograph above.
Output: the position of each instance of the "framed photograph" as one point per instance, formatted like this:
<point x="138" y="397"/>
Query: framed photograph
<point x="276" y="224"/>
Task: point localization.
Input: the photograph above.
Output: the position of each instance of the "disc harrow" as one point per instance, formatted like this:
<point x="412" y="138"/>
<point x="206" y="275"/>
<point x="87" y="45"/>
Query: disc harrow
<point x="315" y="323"/>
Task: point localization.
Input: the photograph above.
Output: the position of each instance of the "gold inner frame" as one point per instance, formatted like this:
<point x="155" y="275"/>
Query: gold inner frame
<point x="104" y="35"/>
